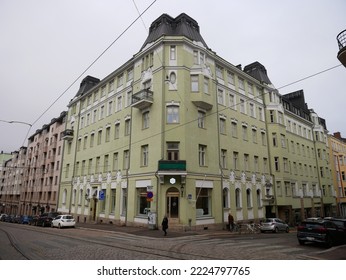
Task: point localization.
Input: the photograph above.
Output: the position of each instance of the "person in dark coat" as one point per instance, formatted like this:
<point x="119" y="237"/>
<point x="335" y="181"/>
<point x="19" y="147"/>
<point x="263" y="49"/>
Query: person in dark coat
<point x="230" y="221"/>
<point x="165" y="224"/>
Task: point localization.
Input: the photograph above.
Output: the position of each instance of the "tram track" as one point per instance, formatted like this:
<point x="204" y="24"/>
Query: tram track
<point x="117" y="243"/>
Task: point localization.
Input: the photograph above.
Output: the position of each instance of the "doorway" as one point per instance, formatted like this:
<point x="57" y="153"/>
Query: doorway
<point x="172" y="203"/>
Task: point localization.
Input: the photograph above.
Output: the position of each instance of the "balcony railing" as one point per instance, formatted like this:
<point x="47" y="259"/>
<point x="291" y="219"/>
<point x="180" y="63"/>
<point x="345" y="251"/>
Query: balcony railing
<point x="67" y="134"/>
<point x="142" y="99"/>
<point x="341" y="38"/>
<point x="172" y="165"/>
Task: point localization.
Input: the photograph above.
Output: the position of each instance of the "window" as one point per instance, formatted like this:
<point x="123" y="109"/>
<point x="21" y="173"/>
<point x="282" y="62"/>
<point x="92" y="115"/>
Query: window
<point x="97" y="166"/>
<point x="90" y="166"/>
<point x="222" y="126"/>
<point x="252" y="110"/>
<point x="245" y="137"/>
<point x="113" y="200"/>
<point x="172" y="114"/>
<point x="224" y="158"/>
<point x="234" y="129"/>
<point x="111" y="86"/>
<point x="241" y="86"/>
<point x="108" y="133"/>
<point x="203" y="202"/>
<point x="130" y="74"/>
<point x="194" y="83"/>
<point x="127" y="127"/>
<point x="202" y="149"/>
<point x="206" y="85"/>
<point x="173" y="53"/>
<point x="94" y="116"/>
<point x="277" y="164"/>
<point x="249" y="88"/>
<point x="103" y="91"/>
<point x="102" y="112"/>
<point x="129" y="98"/>
<point x="173" y="150"/>
<point x="232" y="104"/>
<point x="275" y="140"/>
<point x="117" y="131"/>
<point x="201" y="119"/>
<point x="230" y="78"/>
<point x="235" y="160"/>
<point x="246" y="162"/>
<point x="126" y="159"/>
<point x="219" y="72"/>
<point x="259" y="200"/>
<point x="115" y="162"/>
<point x="242" y="106"/>
<point x="119" y="103"/>
<point x="145" y="155"/>
<point x="238" y="198"/>
<point x="145" y="120"/>
<point x="85" y="142"/>
<point x="248" y="198"/>
<point x="220" y="96"/>
<point x="106" y="163"/>
<point x="254" y="136"/>
<point x="120" y="80"/>
<point x="142" y="204"/>
<point x="99" y="137"/>
<point x="110" y="108"/>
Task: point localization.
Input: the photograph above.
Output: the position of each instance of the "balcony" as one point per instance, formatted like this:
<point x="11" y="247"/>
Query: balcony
<point x="67" y="134"/>
<point x="142" y="99"/>
<point x="341" y="38"/>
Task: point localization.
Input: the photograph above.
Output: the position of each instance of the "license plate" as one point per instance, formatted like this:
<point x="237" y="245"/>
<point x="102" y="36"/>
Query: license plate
<point x="310" y="238"/>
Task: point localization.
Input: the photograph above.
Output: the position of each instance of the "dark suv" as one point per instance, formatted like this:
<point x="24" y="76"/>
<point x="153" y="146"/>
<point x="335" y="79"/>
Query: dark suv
<point x="324" y="232"/>
<point x="45" y="220"/>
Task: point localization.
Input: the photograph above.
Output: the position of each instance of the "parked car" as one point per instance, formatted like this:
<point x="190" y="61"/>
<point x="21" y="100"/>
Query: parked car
<point x="274" y="225"/>
<point x="45" y="220"/>
<point x="341" y="223"/>
<point x="9" y="219"/>
<point x="63" y="221"/>
<point x="2" y="217"/>
<point x="16" y="219"/>
<point x="324" y="232"/>
<point x="25" y="219"/>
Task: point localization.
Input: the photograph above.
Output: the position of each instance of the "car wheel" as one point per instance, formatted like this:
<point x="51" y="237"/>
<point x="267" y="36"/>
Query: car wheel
<point x="287" y="230"/>
<point x="43" y="224"/>
<point x="59" y="226"/>
<point x="276" y="230"/>
<point x="51" y="225"/>
<point x="301" y="242"/>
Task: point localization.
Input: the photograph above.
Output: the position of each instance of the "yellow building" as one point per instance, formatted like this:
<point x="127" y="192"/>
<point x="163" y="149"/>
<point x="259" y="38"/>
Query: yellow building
<point x="337" y="146"/>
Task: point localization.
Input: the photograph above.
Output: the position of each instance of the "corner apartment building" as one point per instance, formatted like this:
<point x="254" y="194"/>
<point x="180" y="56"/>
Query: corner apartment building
<point x="12" y="182"/>
<point x="337" y="145"/>
<point x="42" y="168"/>
<point x="176" y="130"/>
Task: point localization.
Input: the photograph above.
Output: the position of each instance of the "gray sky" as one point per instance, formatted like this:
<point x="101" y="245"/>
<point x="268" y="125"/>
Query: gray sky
<point x="45" y="45"/>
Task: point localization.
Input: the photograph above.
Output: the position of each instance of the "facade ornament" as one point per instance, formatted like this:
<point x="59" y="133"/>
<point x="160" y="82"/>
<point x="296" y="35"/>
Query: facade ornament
<point x="232" y="177"/>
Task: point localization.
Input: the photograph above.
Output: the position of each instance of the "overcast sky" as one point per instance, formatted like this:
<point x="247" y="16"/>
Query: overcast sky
<point x="45" y="45"/>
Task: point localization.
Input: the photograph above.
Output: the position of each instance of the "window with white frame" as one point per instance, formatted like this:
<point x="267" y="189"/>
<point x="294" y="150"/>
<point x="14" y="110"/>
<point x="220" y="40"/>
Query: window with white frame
<point x="230" y="79"/>
<point x="145" y="155"/>
<point x="234" y="129"/>
<point x="222" y="125"/>
<point x="173" y="54"/>
<point x="238" y="198"/>
<point x="232" y="102"/>
<point x="248" y="198"/>
<point x="235" y="160"/>
<point x="220" y="96"/>
<point x="194" y="83"/>
<point x="145" y="120"/>
<point x="203" y="201"/>
<point x="111" y="86"/>
<point x="127" y="127"/>
<point x="201" y="119"/>
<point x="202" y="150"/>
<point x="206" y="85"/>
<point x="219" y="72"/>
<point x="223" y="158"/>
<point x="119" y="103"/>
<point x="241" y="85"/>
<point x="117" y="131"/>
<point x="172" y="114"/>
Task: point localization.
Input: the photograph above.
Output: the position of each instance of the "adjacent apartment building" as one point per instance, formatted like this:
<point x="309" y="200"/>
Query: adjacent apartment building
<point x="337" y="145"/>
<point x="179" y="131"/>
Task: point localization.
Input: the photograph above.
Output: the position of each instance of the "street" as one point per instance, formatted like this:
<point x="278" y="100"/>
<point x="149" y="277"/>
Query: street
<point x="19" y="242"/>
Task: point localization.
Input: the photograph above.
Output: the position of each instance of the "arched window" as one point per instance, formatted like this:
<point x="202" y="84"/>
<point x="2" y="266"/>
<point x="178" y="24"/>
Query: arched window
<point x="225" y="196"/>
<point x="238" y="198"/>
<point x="248" y="198"/>
<point x="259" y="201"/>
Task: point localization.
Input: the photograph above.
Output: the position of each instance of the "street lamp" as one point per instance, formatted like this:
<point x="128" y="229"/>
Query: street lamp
<point x="20" y="122"/>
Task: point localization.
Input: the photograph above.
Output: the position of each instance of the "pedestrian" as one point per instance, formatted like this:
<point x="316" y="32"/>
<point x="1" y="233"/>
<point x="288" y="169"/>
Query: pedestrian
<point x="230" y="221"/>
<point x="165" y="224"/>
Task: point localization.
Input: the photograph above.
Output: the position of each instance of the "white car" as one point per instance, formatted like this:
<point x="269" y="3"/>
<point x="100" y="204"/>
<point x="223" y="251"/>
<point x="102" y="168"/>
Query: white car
<point x="63" y="221"/>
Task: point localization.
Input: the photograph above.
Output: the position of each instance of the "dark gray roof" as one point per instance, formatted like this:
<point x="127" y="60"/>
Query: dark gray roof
<point x="182" y="25"/>
<point x="257" y="71"/>
<point x="87" y="83"/>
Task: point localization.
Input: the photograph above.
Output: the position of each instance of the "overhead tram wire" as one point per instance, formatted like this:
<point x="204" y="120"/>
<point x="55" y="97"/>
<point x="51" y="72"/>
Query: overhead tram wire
<point x="91" y="64"/>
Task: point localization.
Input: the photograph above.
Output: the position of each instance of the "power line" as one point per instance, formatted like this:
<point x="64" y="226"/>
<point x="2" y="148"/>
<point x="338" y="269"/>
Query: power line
<point x="95" y="60"/>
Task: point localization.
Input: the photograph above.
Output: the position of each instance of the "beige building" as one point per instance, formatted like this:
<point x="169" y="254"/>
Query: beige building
<point x="39" y="192"/>
<point x="337" y="146"/>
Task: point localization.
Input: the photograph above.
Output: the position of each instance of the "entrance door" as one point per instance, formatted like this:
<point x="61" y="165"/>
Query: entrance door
<point x="173" y="203"/>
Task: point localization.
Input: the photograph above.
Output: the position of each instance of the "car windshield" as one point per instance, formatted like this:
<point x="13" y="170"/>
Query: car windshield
<point x="268" y="221"/>
<point x="67" y="217"/>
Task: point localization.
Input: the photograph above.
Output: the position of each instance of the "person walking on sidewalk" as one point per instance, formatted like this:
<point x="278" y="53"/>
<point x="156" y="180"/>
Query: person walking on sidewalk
<point x="165" y="224"/>
<point x="230" y="221"/>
